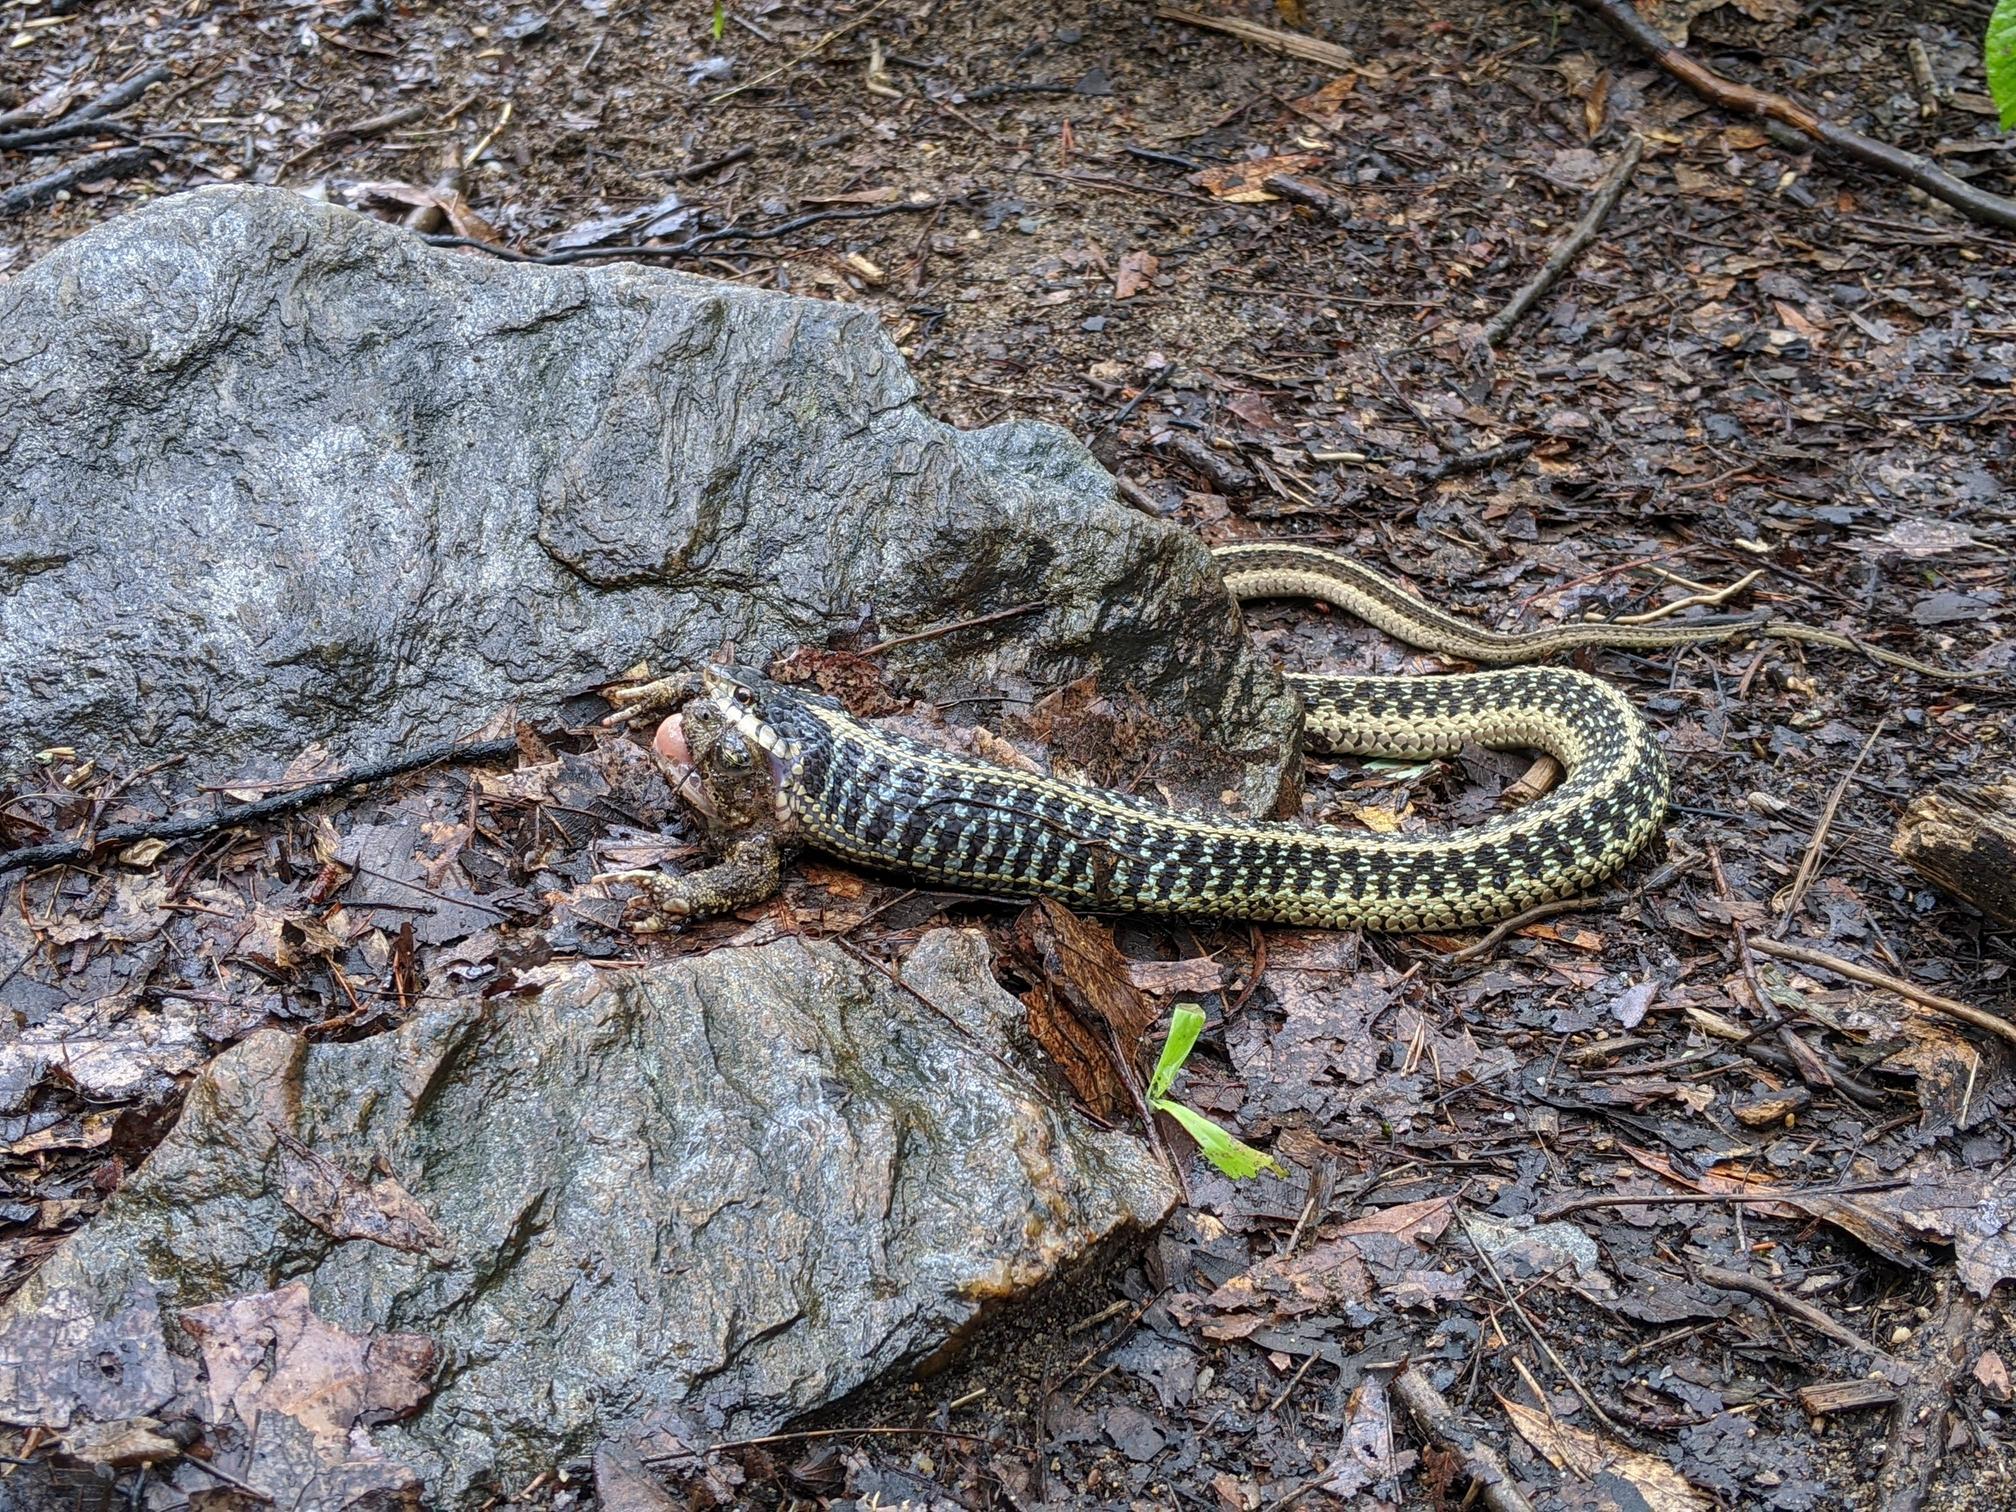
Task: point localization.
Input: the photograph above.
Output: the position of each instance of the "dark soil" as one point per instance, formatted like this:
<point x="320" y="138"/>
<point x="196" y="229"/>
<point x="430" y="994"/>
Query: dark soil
<point x="1767" y="362"/>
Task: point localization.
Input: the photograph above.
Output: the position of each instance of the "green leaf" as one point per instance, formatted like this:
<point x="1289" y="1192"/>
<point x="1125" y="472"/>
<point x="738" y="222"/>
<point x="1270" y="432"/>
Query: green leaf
<point x="1998" y="52"/>
<point x="1234" y="1158"/>
<point x="720" y="18"/>
<point x="1184" y="1027"/>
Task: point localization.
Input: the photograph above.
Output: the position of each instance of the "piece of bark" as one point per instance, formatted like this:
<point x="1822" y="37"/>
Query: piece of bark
<point x="1963" y="841"/>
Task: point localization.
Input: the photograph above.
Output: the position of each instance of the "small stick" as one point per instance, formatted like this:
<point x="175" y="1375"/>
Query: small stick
<point x="36" y="136"/>
<point x="1692" y="601"/>
<point x="811" y="52"/>
<point x="1477" y="461"/>
<point x="692" y="244"/>
<point x="1977" y="204"/>
<point x="727" y="159"/>
<point x="949" y="627"/>
<point x="1433" y="1415"/>
<point x="1660" y="1199"/>
<point x="1979" y="1018"/>
<point x="815" y="1433"/>
<point x="357" y="130"/>
<point x="1584" y="233"/>
<point x="60" y="852"/>
<point x="1810" y="862"/>
<point x="1574" y="1381"/>
<point x="118" y="163"/>
<point x="119" y="96"/>
<point x="1805" y="1312"/>
<point x="1671" y="871"/>
<point x="1309" y="49"/>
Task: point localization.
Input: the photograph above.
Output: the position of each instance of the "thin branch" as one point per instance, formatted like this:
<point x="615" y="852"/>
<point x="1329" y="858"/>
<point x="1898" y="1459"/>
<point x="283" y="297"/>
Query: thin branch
<point x="115" y="164"/>
<point x="1015" y="611"/>
<point x="1809" y="863"/>
<point x="811" y="52"/>
<point x="1966" y="1014"/>
<point x="692" y="244"/>
<point x="60" y="852"/>
<point x="1607" y="195"/>
<point x="1976" y="204"/>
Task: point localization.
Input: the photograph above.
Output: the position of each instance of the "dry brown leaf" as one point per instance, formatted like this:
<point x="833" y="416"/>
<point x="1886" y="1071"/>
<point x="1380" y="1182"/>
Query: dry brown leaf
<point x="1136" y="272"/>
<point x="1166" y="978"/>
<point x="1242" y="183"/>
<point x="270" y="1353"/>
<point x="1590" y="1454"/>
<point x="345" y="1208"/>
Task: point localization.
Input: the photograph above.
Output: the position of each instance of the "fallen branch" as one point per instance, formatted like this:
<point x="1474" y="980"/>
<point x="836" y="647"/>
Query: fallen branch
<point x="1309" y="49"/>
<point x="1966" y="1014"/>
<point x="1607" y="195"/>
<point x="1990" y="209"/>
<point x="1963" y="841"/>
<point x="1433" y="1415"/>
<point x="1946" y="1345"/>
<point x="1805" y="1312"/>
<point x="40" y="136"/>
<point x="115" y="164"/>
<point x="63" y="852"/>
<point x="357" y="131"/>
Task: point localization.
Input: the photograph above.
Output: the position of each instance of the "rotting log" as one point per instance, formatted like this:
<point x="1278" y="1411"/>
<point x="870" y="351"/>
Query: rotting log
<point x="1963" y="841"/>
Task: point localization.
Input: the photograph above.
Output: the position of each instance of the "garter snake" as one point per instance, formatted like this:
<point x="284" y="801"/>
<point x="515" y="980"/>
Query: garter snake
<point x="869" y="796"/>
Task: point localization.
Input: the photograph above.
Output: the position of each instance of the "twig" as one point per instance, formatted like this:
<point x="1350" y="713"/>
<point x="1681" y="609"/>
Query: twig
<point x="1605" y="200"/>
<point x="1477" y="461"/>
<point x="1671" y="871"/>
<point x="1805" y="1312"/>
<point x="727" y="159"/>
<point x="1945" y="1346"/>
<point x="1979" y="1018"/>
<point x="1309" y="49"/>
<point x="1433" y="1415"/>
<point x="36" y="136"/>
<point x="811" y="52"/>
<point x="1989" y="209"/>
<point x="60" y="852"/>
<point x="1574" y="1381"/>
<point x="119" y="96"/>
<point x="114" y="164"/>
<point x="814" y="1433"/>
<point x="1660" y="1199"/>
<point x="336" y="136"/>
<point x="1692" y="601"/>
<point x="692" y="244"/>
<point x="1810" y="862"/>
<point x="483" y="142"/>
<point x="1015" y="611"/>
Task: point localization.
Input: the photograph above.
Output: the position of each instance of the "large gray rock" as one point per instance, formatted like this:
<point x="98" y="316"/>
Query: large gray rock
<point x="272" y="472"/>
<point x="717" y="1192"/>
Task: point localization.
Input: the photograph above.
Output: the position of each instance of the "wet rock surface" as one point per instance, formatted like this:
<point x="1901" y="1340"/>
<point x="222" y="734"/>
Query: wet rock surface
<point x="275" y="474"/>
<point x="630" y="1209"/>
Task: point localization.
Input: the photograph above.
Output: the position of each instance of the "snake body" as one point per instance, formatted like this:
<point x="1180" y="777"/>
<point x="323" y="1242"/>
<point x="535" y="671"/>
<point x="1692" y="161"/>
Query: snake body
<point x="887" y="801"/>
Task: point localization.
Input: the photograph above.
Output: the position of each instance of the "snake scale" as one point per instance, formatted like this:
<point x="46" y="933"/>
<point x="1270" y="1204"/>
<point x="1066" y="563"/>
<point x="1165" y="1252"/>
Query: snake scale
<point x="886" y="801"/>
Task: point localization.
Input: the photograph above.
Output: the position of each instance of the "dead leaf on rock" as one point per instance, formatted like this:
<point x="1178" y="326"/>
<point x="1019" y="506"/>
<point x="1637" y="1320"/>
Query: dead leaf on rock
<point x="345" y="1208"/>
<point x="1084" y="1007"/>
<point x="1588" y="1455"/>
<point x="269" y="1353"/>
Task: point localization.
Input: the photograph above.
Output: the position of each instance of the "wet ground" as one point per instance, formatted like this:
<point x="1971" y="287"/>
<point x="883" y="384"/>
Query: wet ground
<point x="1255" y="286"/>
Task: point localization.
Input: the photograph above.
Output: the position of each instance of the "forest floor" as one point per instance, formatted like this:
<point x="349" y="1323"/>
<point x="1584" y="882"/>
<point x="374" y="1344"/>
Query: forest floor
<point x="1254" y="285"/>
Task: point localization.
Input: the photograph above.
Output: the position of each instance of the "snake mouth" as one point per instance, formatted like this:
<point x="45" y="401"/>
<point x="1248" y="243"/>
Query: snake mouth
<point x="670" y="744"/>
